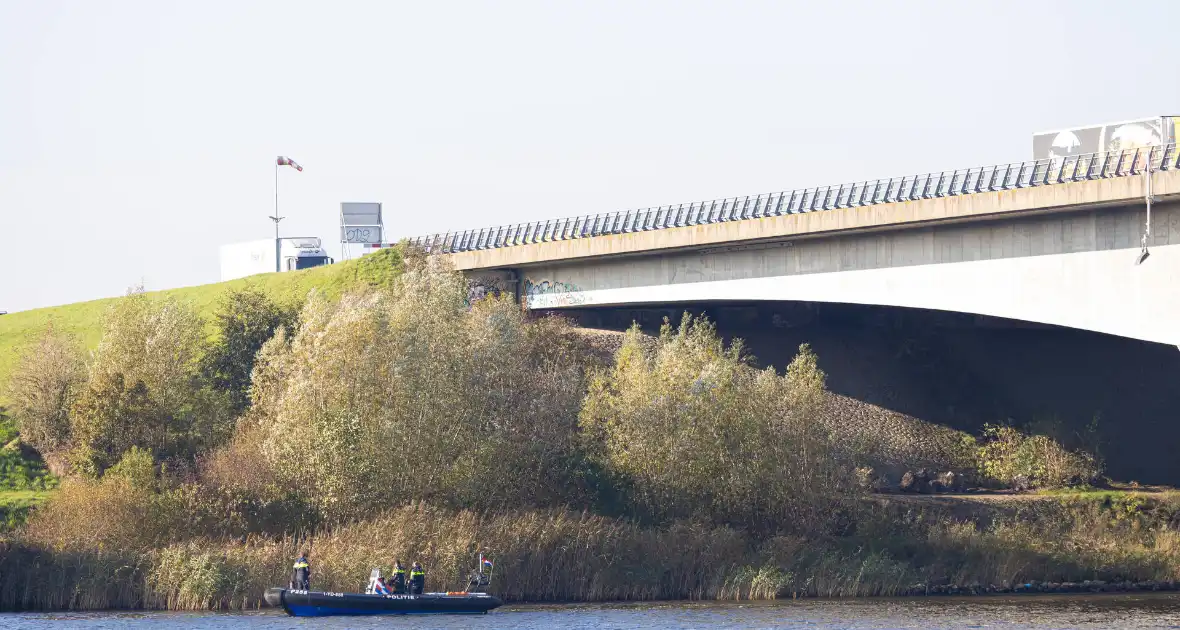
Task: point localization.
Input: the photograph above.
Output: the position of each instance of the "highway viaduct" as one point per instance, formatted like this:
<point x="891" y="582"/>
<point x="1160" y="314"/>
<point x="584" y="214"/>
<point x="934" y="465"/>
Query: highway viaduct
<point x="1014" y="292"/>
<point x="1047" y="242"/>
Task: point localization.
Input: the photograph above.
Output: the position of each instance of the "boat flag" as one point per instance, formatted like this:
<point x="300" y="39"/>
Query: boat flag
<point x="286" y="161"/>
<point x="487" y="562"/>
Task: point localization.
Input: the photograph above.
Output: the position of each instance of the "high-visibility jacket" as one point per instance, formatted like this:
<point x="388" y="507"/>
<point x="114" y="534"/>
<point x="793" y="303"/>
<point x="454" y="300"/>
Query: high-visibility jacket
<point x="417" y="580"/>
<point x="301" y="573"/>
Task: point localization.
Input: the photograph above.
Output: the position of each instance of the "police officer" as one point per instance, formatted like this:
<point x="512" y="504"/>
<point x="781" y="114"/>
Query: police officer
<point x="301" y="573"/>
<point x="417" y="579"/>
<point x="399" y="578"/>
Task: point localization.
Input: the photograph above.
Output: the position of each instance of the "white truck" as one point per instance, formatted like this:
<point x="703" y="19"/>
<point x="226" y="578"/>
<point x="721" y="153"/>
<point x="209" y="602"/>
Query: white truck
<point x="1116" y="136"/>
<point x="239" y="260"/>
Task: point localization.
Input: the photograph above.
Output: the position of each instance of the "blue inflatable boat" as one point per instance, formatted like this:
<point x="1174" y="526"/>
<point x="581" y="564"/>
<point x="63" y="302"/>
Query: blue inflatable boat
<point x="300" y="603"/>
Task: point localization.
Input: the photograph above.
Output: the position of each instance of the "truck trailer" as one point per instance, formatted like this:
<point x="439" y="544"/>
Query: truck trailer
<point x="239" y="260"/>
<point x="1116" y="136"/>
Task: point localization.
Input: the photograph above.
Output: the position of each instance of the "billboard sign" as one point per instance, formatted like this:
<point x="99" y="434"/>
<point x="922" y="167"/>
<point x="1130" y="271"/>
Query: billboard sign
<point x="1131" y="134"/>
<point x="366" y="235"/>
<point x="361" y="223"/>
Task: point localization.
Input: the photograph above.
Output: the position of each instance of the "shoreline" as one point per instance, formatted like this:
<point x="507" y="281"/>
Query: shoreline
<point x="1094" y="587"/>
<point x="1072" y="591"/>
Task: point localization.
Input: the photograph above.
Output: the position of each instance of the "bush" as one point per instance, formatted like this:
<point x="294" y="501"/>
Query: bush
<point x="45" y="384"/>
<point x="113" y="513"/>
<point x="1007" y="455"/>
<point x="145" y="389"/>
<point x="137" y="467"/>
<point x="111" y="417"/>
<point x="693" y="430"/>
<point x="157" y="341"/>
<point x="245" y="320"/>
<point x="408" y="392"/>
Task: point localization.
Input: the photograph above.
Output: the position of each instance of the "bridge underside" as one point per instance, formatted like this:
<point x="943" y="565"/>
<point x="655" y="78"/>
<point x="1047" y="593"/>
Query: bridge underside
<point x="1087" y="389"/>
<point x="1076" y="270"/>
<point x="958" y="309"/>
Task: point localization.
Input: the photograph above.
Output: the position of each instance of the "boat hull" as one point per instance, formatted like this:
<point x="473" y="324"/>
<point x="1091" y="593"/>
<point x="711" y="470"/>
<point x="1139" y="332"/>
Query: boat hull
<point x="298" y="603"/>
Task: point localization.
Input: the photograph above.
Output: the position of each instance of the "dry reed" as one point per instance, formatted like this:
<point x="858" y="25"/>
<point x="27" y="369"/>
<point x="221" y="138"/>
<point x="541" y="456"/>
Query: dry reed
<point x="556" y="555"/>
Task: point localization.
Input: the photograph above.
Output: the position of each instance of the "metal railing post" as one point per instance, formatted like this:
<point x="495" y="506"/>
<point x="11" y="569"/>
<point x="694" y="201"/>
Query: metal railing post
<point x="1044" y="172"/>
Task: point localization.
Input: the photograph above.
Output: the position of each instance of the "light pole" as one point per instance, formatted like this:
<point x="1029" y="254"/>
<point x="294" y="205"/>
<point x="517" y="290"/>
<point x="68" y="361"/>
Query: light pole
<point x="280" y="161"/>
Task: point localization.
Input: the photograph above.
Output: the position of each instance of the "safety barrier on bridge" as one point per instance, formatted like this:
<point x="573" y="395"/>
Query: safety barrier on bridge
<point x="1012" y="176"/>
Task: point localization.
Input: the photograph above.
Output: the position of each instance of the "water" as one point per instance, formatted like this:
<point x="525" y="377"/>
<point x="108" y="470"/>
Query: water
<point x="1095" y="611"/>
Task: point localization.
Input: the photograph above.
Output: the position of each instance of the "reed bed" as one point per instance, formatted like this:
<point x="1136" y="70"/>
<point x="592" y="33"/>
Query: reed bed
<point x="565" y="556"/>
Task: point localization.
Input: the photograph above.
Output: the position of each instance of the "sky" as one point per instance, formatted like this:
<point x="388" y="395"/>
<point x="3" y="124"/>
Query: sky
<point x="137" y="137"/>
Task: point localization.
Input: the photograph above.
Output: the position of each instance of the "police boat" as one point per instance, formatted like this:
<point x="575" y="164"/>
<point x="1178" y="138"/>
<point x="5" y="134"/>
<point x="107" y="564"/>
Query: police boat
<point x="302" y="603"/>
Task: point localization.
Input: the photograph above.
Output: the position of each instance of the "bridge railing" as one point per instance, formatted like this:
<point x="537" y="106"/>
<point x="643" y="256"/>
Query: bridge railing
<point x="1016" y="175"/>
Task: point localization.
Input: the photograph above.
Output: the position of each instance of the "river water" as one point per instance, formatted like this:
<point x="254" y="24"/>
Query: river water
<point x="1093" y="611"/>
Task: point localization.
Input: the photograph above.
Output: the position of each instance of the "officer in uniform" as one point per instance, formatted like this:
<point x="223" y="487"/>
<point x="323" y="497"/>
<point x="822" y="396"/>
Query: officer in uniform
<point x="417" y="579"/>
<point x="398" y="581"/>
<point x="301" y="573"/>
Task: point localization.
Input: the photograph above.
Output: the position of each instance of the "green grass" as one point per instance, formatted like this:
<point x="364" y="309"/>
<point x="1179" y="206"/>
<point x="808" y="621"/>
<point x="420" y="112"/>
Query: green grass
<point x="1099" y="494"/>
<point x="15" y="506"/>
<point x="24" y="481"/>
<point x="21" y="468"/>
<point x="20" y="330"/>
<point x="23" y="497"/>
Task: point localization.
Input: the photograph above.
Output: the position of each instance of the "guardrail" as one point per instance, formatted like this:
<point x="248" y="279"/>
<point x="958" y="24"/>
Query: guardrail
<point x="1011" y="176"/>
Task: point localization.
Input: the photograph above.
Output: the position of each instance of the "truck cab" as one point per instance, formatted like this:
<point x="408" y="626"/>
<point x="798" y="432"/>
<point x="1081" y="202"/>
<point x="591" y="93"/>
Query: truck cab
<point x="302" y="252"/>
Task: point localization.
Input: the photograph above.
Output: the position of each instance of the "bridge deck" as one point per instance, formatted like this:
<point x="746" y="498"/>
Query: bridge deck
<point x="519" y="246"/>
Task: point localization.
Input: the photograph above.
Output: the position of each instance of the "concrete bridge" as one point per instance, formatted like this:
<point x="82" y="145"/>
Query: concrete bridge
<point x="1054" y="242"/>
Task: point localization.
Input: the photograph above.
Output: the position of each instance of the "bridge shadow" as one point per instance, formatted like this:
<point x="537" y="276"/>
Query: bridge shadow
<point x="965" y="370"/>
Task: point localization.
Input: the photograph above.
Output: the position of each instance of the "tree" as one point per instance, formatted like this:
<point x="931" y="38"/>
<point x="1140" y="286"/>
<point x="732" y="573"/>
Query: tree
<point x="157" y="340"/>
<point x="47" y="380"/>
<point x="145" y="388"/>
<point x="245" y="320"/>
<point x="110" y="418"/>
<point x="410" y="393"/>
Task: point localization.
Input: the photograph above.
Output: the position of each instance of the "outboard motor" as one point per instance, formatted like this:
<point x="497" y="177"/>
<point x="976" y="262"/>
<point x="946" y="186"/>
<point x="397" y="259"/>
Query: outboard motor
<point x="373" y="577"/>
<point x="478" y="582"/>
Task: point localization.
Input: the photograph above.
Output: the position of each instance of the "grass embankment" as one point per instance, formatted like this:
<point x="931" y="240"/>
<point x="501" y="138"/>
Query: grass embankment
<point x="24" y="481"/>
<point x="21" y="330"/>
<point x="15" y="506"/>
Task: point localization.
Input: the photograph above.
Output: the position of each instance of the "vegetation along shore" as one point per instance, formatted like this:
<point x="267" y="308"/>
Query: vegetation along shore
<point x="177" y="450"/>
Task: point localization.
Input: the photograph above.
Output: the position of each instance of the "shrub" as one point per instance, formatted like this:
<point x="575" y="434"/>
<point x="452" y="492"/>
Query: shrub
<point x="694" y="430"/>
<point x="1008" y="454"/>
<point x="145" y="389"/>
<point x="110" y="417"/>
<point x="137" y="468"/>
<point x="156" y="341"/>
<point x="245" y="320"/>
<point x="45" y="384"/>
<point x="121" y="511"/>
<point x="408" y="392"/>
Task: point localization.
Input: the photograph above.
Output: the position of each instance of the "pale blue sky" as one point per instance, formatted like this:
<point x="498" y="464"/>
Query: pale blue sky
<point x="137" y="137"/>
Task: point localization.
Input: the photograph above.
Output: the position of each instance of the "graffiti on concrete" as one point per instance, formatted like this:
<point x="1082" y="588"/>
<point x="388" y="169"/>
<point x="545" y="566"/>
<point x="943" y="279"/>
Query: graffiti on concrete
<point x="480" y="288"/>
<point x="552" y="293"/>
